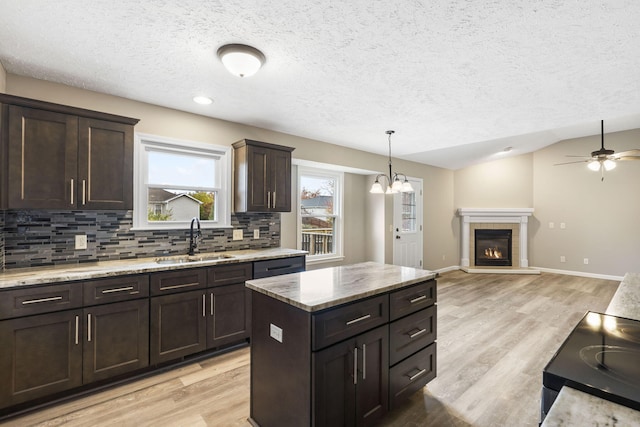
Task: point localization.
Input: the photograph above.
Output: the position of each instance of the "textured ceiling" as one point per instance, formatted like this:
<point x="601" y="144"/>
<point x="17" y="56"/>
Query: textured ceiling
<point x="457" y="80"/>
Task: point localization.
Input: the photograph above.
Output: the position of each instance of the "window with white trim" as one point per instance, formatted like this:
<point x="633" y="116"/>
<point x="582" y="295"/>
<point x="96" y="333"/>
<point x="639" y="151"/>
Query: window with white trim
<point x="178" y="180"/>
<point x="320" y="213"/>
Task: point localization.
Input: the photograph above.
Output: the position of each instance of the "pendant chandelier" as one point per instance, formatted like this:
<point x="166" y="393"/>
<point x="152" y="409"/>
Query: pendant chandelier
<point x="394" y="183"/>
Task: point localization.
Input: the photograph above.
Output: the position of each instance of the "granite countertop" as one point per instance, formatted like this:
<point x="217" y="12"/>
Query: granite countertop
<point x="575" y="408"/>
<point x="43" y="275"/>
<point x="319" y="289"/>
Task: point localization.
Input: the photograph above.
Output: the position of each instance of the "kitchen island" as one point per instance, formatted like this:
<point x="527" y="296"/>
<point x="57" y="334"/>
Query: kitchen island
<point x="341" y="345"/>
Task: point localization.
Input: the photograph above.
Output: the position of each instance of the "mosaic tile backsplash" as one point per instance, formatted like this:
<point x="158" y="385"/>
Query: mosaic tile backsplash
<point x="44" y="238"/>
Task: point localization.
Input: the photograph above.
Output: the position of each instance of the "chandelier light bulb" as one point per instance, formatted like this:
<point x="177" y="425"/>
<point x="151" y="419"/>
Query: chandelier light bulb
<point x="376" y="188"/>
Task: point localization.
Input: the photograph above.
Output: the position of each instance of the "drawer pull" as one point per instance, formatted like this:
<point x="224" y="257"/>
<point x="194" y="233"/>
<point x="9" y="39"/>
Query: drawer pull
<point x="414" y="376"/>
<point x="110" y="291"/>
<point x="184" y="285"/>
<point x="359" y="319"/>
<point x="420" y="298"/>
<point x="37" y="301"/>
<point x="415" y="334"/>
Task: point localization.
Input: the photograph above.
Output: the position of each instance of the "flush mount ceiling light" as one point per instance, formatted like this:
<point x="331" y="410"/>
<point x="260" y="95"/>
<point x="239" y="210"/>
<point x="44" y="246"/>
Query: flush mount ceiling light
<point x="394" y="183"/>
<point x="241" y="60"/>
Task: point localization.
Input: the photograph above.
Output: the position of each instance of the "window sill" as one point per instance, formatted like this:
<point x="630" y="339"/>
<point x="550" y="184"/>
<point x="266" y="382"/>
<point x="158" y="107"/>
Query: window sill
<point x="335" y="258"/>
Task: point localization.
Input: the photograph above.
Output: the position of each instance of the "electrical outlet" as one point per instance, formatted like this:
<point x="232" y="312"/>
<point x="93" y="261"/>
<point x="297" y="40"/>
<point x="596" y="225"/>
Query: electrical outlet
<point x="256" y="233"/>
<point x="237" y="234"/>
<point x="552" y="225"/>
<point x="562" y="258"/>
<point x="81" y="241"/>
<point x="275" y="332"/>
<point x="586" y="261"/>
<point x="563" y="226"/>
<point x="443" y="257"/>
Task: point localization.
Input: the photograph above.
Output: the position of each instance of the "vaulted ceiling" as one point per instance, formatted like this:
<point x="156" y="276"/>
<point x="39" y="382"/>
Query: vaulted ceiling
<point x="457" y="80"/>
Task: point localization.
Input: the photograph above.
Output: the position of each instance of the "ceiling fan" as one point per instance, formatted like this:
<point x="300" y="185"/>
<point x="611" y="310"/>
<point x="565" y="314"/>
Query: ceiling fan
<point x="605" y="159"/>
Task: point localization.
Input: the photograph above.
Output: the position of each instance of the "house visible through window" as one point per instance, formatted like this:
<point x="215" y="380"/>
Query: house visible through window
<point x="179" y="180"/>
<point x="320" y="216"/>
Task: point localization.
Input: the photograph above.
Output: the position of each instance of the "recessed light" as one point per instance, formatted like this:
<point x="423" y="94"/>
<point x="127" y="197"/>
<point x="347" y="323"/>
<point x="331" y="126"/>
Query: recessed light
<point x="202" y="100"/>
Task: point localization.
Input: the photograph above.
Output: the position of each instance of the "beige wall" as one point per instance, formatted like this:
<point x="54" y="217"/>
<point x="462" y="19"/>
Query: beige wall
<point x="601" y="217"/>
<point x="3" y="79"/>
<point x="361" y="232"/>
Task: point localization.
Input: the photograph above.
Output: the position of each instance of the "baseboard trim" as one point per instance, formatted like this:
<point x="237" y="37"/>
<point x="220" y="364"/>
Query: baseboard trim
<point x="580" y="274"/>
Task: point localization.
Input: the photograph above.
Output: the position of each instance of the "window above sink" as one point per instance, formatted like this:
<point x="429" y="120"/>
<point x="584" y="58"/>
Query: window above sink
<point x="178" y="180"/>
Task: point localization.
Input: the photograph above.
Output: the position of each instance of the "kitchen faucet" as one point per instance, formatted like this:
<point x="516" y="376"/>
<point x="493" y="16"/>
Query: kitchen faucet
<point x="193" y="240"/>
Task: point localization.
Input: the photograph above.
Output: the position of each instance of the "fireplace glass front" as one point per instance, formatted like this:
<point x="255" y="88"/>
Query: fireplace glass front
<point x="493" y="248"/>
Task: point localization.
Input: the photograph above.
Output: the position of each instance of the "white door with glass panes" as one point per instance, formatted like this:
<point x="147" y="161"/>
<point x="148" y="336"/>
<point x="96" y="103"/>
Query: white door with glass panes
<point x="407" y="227"/>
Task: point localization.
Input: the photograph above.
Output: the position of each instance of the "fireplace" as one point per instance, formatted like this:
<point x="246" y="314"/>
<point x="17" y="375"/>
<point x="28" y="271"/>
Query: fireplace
<point x="493" y="247"/>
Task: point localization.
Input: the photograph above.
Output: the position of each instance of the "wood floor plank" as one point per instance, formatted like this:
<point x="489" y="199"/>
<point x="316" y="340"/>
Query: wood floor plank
<point x="495" y="335"/>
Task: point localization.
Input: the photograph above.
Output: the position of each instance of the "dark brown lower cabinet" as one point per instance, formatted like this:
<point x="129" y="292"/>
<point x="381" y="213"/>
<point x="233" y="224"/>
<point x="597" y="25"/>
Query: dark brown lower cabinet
<point x="228" y="319"/>
<point x="178" y="325"/>
<point x="39" y="355"/>
<point x="116" y="339"/>
<point x="351" y="381"/>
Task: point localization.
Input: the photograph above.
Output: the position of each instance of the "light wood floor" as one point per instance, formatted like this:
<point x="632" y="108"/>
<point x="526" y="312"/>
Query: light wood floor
<point x="495" y="335"/>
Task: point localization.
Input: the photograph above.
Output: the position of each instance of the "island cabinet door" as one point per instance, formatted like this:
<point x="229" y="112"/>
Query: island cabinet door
<point x="351" y="381"/>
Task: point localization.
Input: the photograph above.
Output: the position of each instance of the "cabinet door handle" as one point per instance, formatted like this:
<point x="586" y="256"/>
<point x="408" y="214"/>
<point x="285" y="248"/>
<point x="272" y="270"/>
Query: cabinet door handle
<point x="77" y="329"/>
<point x="268" y="199"/>
<point x="359" y="319"/>
<point x="41" y="300"/>
<point x="274" y="200"/>
<point x="110" y="291"/>
<point x="204" y="305"/>
<point x="355" y="366"/>
<point x="420" y="298"/>
<point x="212" y="303"/>
<point x="84" y="190"/>
<point x="71" y="191"/>
<point x="89" y="327"/>
<point x="364" y="361"/>
<point x="414" y="376"/>
<point x="415" y="334"/>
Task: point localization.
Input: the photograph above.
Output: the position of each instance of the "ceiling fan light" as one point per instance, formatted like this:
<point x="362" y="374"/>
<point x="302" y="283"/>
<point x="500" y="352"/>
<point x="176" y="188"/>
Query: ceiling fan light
<point x="241" y="60"/>
<point x="609" y="164"/>
<point x="594" y="165"/>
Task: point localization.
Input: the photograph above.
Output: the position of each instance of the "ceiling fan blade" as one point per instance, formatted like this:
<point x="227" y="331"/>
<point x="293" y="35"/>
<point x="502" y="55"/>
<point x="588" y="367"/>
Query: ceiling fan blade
<point x="629" y="153"/>
<point x="628" y="158"/>
<point x="584" y="157"/>
<point x="569" y="163"/>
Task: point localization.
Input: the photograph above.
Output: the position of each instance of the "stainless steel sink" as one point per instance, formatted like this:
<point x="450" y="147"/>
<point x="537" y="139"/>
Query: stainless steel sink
<point x="184" y="259"/>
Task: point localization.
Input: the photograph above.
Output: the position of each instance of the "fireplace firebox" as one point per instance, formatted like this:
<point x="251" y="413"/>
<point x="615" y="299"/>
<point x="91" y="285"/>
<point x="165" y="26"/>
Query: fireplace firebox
<point x="493" y="247"/>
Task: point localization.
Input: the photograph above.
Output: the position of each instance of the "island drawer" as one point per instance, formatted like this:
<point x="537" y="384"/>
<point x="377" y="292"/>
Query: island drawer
<point x="40" y="299"/>
<point x="116" y="289"/>
<point x="349" y="320"/>
<point x="276" y="267"/>
<point x="411" y="375"/>
<point x="230" y="274"/>
<point x="411" y="333"/>
<point x="409" y="300"/>
<point x="178" y="281"/>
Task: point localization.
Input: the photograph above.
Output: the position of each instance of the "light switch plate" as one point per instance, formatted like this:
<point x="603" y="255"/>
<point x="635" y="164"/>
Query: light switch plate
<point x="81" y="241"/>
<point x="275" y="332"/>
<point x="237" y="234"/>
<point x="256" y="233"/>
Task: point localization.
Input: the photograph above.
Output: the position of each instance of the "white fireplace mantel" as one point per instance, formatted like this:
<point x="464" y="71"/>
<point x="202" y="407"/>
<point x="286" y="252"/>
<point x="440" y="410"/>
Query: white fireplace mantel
<point x="494" y="216"/>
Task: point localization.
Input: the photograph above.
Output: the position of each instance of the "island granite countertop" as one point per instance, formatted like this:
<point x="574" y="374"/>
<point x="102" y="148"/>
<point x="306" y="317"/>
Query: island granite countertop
<point x="316" y="290"/>
<point x="101" y="269"/>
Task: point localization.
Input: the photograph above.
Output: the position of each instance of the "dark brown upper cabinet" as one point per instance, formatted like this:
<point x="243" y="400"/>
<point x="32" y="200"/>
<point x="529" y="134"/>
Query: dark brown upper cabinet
<point x="262" y="177"/>
<point x="59" y="157"/>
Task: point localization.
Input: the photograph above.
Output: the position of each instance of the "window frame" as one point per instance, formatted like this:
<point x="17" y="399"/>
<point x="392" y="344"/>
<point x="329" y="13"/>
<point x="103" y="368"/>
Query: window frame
<point x="338" y="212"/>
<point x="147" y="142"/>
